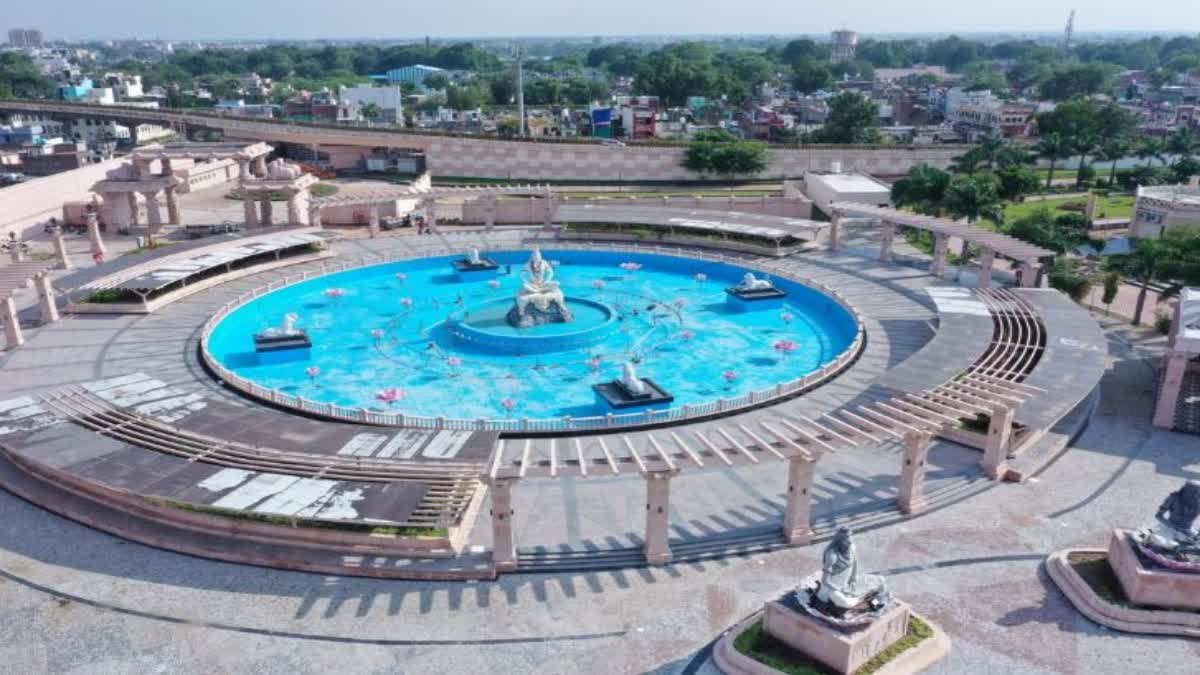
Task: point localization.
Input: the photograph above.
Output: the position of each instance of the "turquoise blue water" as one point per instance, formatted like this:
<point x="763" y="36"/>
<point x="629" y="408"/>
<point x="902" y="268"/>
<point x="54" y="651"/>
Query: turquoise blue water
<point x="678" y="330"/>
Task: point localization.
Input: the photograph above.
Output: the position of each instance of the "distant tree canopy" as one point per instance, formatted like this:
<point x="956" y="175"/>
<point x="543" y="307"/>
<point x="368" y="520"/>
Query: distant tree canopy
<point x="852" y="119"/>
<point x="720" y="152"/>
<point x="20" y="78"/>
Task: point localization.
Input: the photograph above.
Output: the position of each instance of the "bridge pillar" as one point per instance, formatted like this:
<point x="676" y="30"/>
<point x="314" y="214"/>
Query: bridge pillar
<point x="889" y="239"/>
<point x="46" y="303"/>
<point x="250" y="210"/>
<point x="911" y="493"/>
<point x="995" y="449"/>
<point x="173" y="215"/>
<point x="797" y="514"/>
<point x="987" y="260"/>
<point x="504" y="549"/>
<point x="941" y="246"/>
<point x="12" y="325"/>
<point x="267" y="217"/>
<point x="657" y="546"/>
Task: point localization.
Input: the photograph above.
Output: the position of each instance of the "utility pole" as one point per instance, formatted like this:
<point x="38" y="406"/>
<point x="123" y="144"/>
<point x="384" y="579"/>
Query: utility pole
<point x="1070" y="32"/>
<point x="519" y="54"/>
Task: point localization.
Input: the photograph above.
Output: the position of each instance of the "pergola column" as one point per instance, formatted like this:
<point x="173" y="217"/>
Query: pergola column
<point x="14" y="252"/>
<point x="797" y="514"/>
<point x="167" y="169"/>
<point x="173" y="215"/>
<point x="987" y="259"/>
<point x="1028" y="274"/>
<point x="548" y="214"/>
<point x="94" y="238"/>
<point x="134" y="220"/>
<point x="941" y="245"/>
<point x="911" y="493"/>
<point x="243" y="168"/>
<point x="835" y="233"/>
<point x="995" y="449"/>
<point x="12" y="325"/>
<point x="260" y="166"/>
<point x="60" y="249"/>
<point x="267" y="216"/>
<point x="297" y="206"/>
<point x="658" y="510"/>
<point x="141" y="169"/>
<point x="964" y="253"/>
<point x="373" y="220"/>
<point x="889" y="239"/>
<point x="154" y="221"/>
<point x="314" y="215"/>
<point x="46" y="303"/>
<point x="1174" y="366"/>
<point x="249" y="209"/>
<point x="504" y="548"/>
<point x="431" y="217"/>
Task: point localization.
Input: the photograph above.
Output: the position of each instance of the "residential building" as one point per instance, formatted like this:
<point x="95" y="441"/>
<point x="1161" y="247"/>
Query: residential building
<point x="826" y="187"/>
<point x="240" y="108"/>
<point x="388" y="101"/>
<point x="978" y="115"/>
<point x="25" y="38"/>
<point x="638" y="115"/>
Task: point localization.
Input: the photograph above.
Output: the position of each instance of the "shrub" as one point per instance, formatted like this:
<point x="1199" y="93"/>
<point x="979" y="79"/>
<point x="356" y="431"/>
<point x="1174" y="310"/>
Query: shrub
<point x="1067" y="278"/>
<point x="1162" y="322"/>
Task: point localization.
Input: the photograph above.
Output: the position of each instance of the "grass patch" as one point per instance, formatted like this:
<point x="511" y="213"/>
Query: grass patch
<point x="146" y="249"/>
<point x="667" y="193"/>
<point x="317" y="190"/>
<point x="110" y="296"/>
<point x="1094" y="569"/>
<point x="759" y="645"/>
<point x="978" y="424"/>
<point x="447" y="181"/>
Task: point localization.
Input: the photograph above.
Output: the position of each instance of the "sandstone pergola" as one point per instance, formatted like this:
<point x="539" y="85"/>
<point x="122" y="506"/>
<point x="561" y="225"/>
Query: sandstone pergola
<point x="991" y="243"/>
<point x="1182" y="358"/>
<point x="14" y="277"/>
<point x="280" y="177"/>
<point x="121" y="197"/>
<point x="428" y="198"/>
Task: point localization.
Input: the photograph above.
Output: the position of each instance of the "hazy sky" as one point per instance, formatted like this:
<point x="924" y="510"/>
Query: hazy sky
<point x="214" y="19"/>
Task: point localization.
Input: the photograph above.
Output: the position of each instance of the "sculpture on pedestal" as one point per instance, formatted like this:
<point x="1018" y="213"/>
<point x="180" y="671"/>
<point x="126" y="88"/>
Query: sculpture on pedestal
<point x="540" y="300"/>
<point x="840" y="594"/>
<point x="1173" y="542"/>
<point x="631" y="382"/>
<point x="753" y="283"/>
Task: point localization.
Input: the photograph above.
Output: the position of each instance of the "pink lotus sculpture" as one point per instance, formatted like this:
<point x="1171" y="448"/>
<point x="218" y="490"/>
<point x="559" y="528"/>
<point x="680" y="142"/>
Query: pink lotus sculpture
<point x="312" y="372"/>
<point x="391" y="395"/>
<point x="406" y="302"/>
<point x="686" y="335"/>
<point x="401" y="277"/>
<point x="785" y="346"/>
<point x="454" y="362"/>
<point x="786" y="317"/>
<point x="334" y="293"/>
<point x="700" y="277"/>
<point x="377" y="334"/>
<point x="679" y="303"/>
<point x="594" y="363"/>
<point x="508" y="404"/>
<point x="631" y="267"/>
<point x="729" y="376"/>
<point x="493" y="284"/>
<point x="598" y="284"/>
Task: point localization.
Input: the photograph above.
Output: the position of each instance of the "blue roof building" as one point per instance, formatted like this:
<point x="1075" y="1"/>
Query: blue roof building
<point x="414" y="74"/>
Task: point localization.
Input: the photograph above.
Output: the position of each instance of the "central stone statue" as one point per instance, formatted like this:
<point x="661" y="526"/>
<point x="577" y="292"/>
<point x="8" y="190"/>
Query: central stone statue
<point x="840" y="594"/>
<point x="540" y="300"/>
<point x="1173" y="541"/>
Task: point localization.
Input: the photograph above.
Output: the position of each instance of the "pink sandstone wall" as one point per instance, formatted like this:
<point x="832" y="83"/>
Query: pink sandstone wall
<point x="26" y="206"/>
<point x="520" y="211"/>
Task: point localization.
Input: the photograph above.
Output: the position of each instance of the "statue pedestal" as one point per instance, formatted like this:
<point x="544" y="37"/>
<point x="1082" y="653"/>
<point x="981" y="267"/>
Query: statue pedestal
<point x="616" y="396"/>
<point x="1153" y="586"/>
<point x="741" y="300"/>
<point x="270" y="348"/>
<point x="486" y="268"/>
<point x="844" y="652"/>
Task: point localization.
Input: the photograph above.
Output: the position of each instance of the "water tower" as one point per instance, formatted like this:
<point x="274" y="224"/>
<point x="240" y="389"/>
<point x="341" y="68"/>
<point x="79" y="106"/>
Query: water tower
<point x="845" y="42"/>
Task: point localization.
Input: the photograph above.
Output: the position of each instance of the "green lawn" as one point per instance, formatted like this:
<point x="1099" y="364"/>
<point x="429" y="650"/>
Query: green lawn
<point x="1113" y="206"/>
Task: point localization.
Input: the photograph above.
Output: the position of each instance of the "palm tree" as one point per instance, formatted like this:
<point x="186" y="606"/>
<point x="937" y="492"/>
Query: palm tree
<point x="1012" y="155"/>
<point x="1174" y="260"/>
<point x="1183" y="143"/>
<point x="1084" y="144"/>
<point x="974" y="197"/>
<point x="1151" y="149"/>
<point x="989" y="149"/>
<point x="1113" y="150"/>
<point x="1052" y="146"/>
<point x="922" y="189"/>
<point x="967" y="162"/>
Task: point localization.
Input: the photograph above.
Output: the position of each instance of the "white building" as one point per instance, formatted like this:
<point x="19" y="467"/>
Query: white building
<point x="388" y="100"/>
<point x="1162" y="207"/>
<point x="827" y="187"/>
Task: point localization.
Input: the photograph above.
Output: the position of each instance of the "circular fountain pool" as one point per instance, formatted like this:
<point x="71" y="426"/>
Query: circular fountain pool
<point x="417" y="339"/>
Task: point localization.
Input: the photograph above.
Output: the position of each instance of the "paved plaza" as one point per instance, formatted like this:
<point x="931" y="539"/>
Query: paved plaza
<point x="77" y="600"/>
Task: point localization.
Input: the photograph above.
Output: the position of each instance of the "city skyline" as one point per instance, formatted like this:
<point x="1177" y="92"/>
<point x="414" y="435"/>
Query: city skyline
<point x="367" y="19"/>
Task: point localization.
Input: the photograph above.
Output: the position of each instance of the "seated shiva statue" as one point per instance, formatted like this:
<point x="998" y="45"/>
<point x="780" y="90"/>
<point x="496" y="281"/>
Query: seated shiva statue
<point x="752" y="283"/>
<point x="540" y="300"/>
<point x="841" y="594"/>
<point x="1174" y="536"/>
